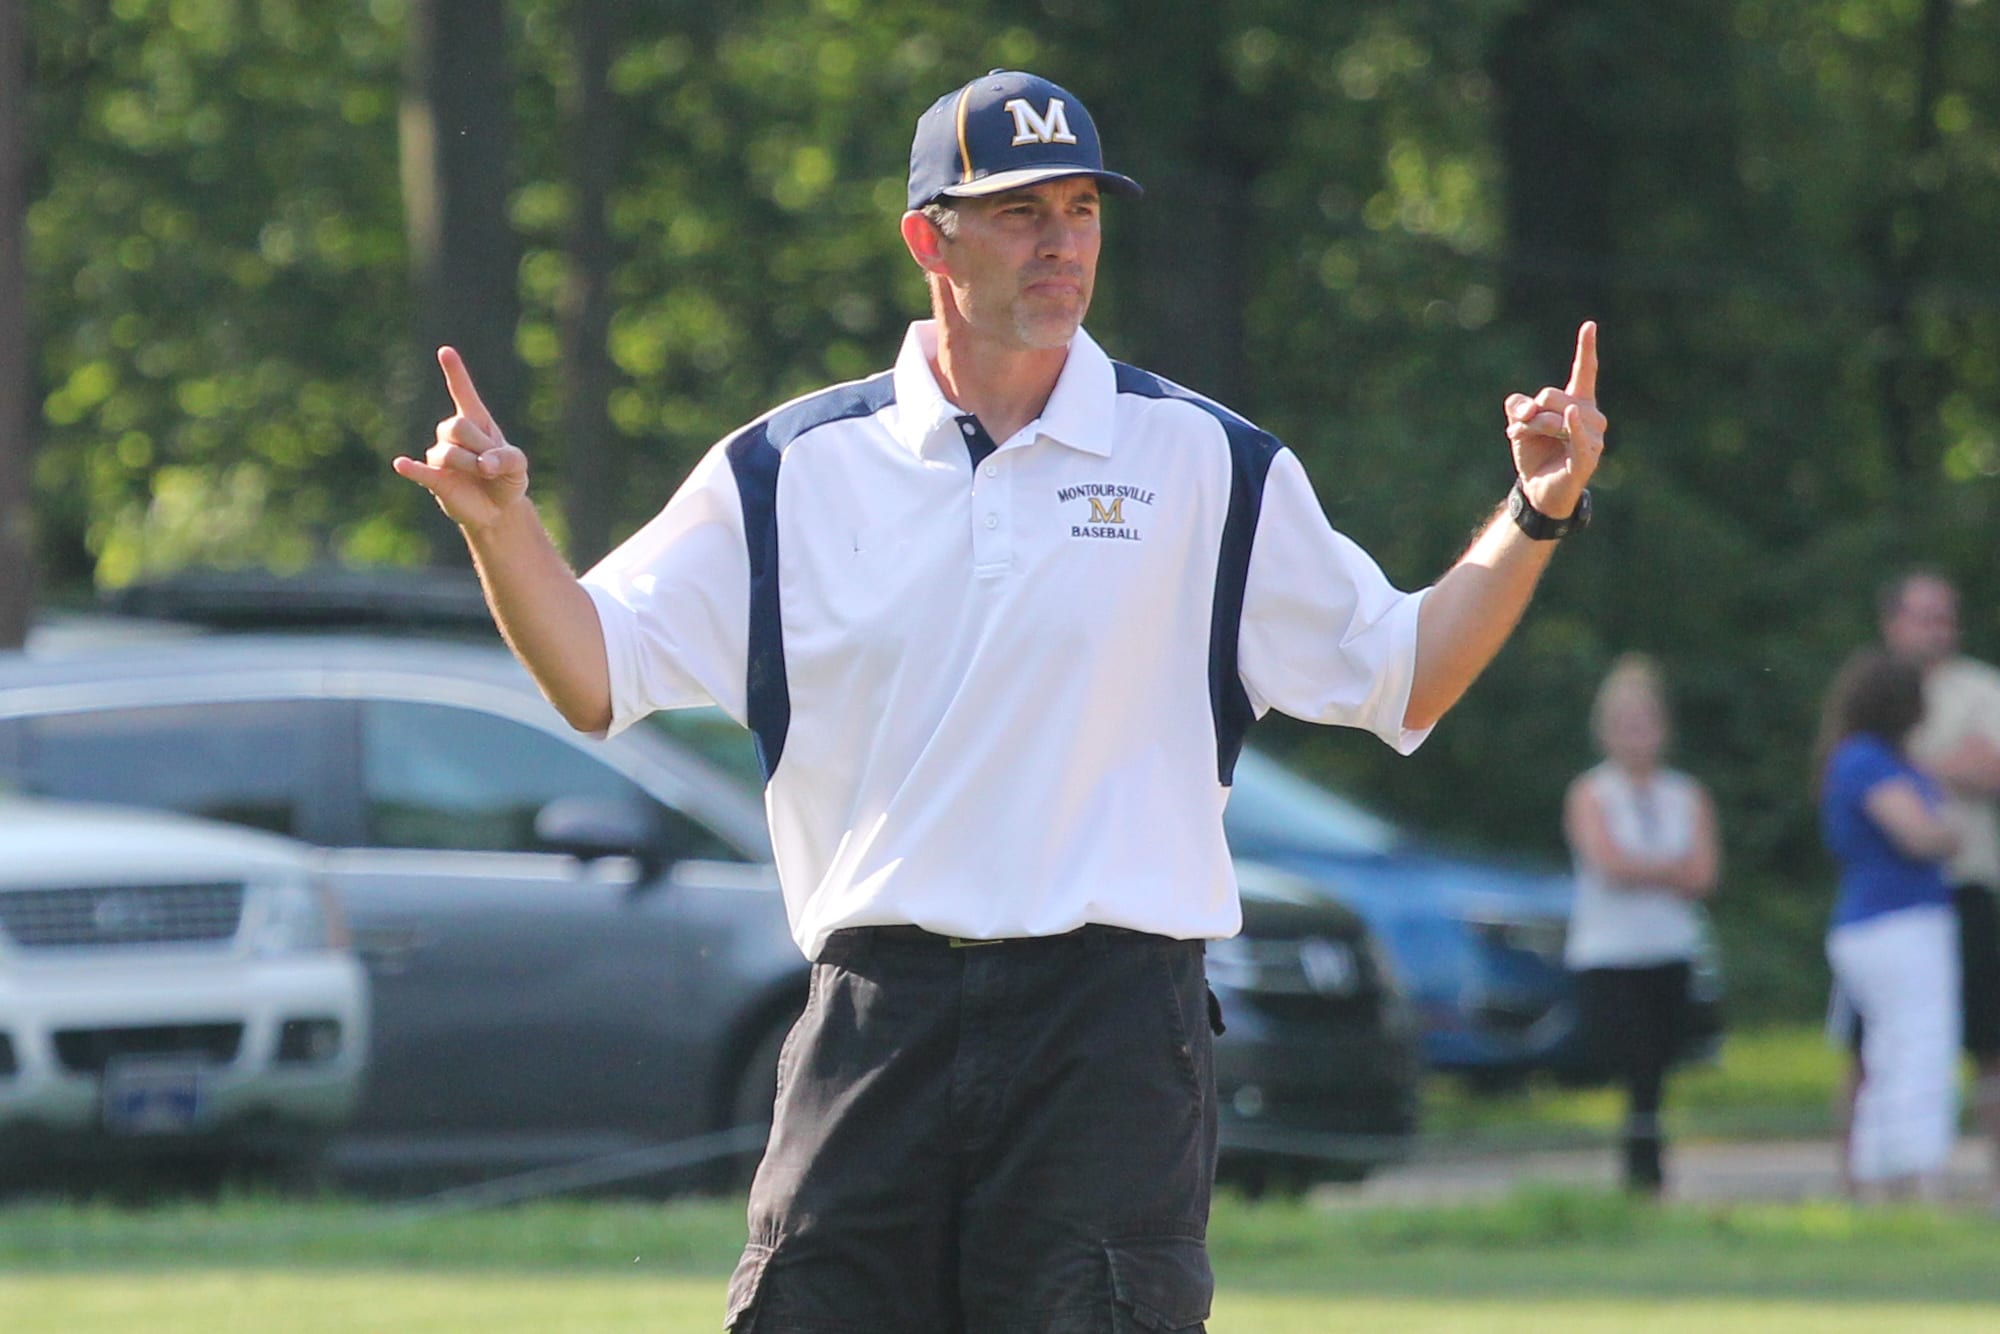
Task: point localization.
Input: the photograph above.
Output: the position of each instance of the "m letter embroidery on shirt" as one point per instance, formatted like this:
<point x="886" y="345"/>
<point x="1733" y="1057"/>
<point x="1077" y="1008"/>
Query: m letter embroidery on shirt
<point x="1103" y="513"/>
<point x="1051" y="127"/>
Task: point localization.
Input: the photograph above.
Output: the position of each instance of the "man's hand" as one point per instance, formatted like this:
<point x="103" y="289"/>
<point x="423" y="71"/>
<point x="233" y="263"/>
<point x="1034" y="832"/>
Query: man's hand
<point x="471" y="470"/>
<point x="1558" y="435"/>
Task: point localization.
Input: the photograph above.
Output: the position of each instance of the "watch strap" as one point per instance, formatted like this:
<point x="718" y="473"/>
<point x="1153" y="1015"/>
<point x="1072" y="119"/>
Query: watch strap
<point x="1542" y="527"/>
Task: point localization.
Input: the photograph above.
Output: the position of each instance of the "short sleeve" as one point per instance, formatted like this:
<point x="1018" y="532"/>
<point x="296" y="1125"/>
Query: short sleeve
<point x="1859" y="764"/>
<point x="674" y="603"/>
<point x="1325" y="637"/>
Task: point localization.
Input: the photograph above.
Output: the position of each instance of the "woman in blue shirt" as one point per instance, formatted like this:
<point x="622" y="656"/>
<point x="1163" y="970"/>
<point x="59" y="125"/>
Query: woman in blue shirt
<point x="1893" y="941"/>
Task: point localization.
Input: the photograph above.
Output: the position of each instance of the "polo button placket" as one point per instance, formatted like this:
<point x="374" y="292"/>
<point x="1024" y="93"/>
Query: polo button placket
<point x="991" y="510"/>
<point x="992" y="523"/>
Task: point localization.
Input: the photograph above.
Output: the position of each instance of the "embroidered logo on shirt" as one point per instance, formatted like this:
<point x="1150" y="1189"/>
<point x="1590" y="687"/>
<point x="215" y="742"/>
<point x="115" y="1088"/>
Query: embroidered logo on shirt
<point x="1107" y="517"/>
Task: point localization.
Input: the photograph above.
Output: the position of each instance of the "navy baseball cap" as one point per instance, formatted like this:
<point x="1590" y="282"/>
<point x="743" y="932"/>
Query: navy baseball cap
<point x="1003" y="131"/>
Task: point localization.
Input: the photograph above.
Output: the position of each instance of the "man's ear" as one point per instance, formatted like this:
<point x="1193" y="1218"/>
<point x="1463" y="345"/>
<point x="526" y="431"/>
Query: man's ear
<point x="926" y="243"/>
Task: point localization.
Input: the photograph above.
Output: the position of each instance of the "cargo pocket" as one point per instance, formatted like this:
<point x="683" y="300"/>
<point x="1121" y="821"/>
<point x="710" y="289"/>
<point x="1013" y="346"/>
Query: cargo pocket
<point x="740" y="1316"/>
<point x="1159" y="1283"/>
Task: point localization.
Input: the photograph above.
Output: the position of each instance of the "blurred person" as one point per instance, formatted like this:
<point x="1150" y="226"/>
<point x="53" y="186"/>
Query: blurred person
<point x="1958" y="743"/>
<point x="1644" y="840"/>
<point x="1893" y="939"/>
<point x="998" y="619"/>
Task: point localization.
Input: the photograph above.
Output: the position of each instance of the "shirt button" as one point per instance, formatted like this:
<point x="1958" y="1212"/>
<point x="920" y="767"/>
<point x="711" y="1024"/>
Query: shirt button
<point x="992" y="471"/>
<point x="992" y="521"/>
<point x="967" y="427"/>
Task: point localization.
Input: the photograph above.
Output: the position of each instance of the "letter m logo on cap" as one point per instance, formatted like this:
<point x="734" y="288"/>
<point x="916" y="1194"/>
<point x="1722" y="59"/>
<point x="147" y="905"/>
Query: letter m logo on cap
<point x="1051" y="127"/>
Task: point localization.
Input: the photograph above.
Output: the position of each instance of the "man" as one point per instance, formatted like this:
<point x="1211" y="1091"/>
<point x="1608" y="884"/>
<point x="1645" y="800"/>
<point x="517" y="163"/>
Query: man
<point x="1958" y="743"/>
<point x="998" y="619"/>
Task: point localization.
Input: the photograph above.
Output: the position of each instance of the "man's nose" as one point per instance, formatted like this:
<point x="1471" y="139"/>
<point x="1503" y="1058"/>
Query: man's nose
<point x="1061" y="237"/>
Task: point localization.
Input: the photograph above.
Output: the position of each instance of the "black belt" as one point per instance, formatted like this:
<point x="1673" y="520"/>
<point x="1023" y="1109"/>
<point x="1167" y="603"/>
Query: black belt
<point x="916" y="935"/>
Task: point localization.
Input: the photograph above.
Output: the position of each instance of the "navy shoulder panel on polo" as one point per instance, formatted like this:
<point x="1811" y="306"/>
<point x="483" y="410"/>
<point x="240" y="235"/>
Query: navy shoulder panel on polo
<point x="755" y="454"/>
<point x="1250" y="453"/>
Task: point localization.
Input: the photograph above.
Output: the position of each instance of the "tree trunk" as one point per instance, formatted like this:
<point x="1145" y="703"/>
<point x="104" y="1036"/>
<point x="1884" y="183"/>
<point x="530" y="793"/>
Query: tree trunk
<point x="1549" y="68"/>
<point x="463" y="252"/>
<point x="1181" y="258"/>
<point x="1900" y="242"/>
<point x="590" y="469"/>
<point x="17" y="565"/>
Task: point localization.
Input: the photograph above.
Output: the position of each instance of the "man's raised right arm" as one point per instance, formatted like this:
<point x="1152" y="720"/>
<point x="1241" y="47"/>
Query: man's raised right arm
<point x="543" y="613"/>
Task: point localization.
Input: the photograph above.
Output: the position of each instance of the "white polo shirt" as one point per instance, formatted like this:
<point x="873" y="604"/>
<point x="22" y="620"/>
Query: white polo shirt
<point x="1003" y="697"/>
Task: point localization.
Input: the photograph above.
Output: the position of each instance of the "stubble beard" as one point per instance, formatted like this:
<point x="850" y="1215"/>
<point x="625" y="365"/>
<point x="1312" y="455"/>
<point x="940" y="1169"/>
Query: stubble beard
<point x="1047" y="330"/>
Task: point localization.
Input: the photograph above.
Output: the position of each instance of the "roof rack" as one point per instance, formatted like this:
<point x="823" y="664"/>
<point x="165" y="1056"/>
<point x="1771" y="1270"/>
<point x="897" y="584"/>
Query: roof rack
<point x="322" y="597"/>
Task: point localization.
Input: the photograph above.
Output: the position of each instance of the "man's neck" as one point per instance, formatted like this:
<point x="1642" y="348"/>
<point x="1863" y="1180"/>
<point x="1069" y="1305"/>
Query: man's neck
<point x="1006" y="386"/>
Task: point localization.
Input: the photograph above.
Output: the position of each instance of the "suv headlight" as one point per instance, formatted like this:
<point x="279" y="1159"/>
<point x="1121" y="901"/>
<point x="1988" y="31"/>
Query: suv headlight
<point x="1313" y="966"/>
<point x="295" y="918"/>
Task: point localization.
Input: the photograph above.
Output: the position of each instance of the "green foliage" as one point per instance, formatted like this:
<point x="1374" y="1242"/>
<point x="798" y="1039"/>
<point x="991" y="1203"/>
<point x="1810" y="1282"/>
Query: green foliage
<point x="1777" y="209"/>
<point x="218" y="283"/>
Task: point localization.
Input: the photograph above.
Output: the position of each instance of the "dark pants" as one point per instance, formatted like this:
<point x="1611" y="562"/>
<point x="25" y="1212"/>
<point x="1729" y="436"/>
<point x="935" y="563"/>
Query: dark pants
<point x="1012" y="1138"/>
<point x="1635" y="1020"/>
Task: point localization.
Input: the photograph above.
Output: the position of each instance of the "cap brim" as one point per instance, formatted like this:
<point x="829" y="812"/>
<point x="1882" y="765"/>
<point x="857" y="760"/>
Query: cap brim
<point x="1001" y="181"/>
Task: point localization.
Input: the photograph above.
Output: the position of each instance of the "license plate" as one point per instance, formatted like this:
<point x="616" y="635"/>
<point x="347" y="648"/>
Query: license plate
<point x="152" y="1096"/>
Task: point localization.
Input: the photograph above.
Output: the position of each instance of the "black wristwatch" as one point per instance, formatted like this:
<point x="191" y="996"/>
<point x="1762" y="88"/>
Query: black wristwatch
<point x="1540" y="526"/>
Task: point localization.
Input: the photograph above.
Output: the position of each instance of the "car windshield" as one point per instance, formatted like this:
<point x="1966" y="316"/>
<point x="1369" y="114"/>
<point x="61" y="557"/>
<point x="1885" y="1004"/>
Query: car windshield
<point x="1272" y="807"/>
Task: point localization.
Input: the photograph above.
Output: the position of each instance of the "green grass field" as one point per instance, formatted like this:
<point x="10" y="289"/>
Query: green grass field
<point x="1768" y="1082"/>
<point x="1543" y="1260"/>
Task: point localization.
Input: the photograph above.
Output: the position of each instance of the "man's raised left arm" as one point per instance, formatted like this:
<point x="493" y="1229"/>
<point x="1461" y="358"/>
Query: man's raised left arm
<point x="1557" y="437"/>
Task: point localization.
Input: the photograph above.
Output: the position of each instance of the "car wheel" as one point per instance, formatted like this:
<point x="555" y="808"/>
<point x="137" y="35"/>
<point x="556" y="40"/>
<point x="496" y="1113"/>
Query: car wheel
<point x="1261" y="1178"/>
<point x="1495" y="1081"/>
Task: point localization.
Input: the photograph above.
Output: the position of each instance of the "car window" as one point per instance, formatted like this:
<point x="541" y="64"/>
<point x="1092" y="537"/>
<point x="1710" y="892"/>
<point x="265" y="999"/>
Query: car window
<point x="10" y="756"/>
<point x="248" y="762"/>
<point x="717" y="738"/>
<point x="438" y="776"/>
<point x="1272" y="807"/>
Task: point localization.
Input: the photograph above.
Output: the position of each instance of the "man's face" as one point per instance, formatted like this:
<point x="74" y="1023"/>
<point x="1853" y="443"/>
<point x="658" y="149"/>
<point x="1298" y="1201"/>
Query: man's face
<point x="1923" y="627"/>
<point x="1024" y="263"/>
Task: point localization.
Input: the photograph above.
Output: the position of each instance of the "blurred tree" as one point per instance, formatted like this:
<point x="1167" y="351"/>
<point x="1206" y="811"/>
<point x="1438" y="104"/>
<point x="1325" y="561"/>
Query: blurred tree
<point x="591" y="130"/>
<point x="457" y="159"/>
<point x="17" y="425"/>
<point x="1365" y="224"/>
<point x="219" y="288"/>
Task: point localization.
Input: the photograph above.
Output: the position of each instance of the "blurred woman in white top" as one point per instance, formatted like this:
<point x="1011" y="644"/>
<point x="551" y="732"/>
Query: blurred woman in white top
<point x="1644" y="840"/>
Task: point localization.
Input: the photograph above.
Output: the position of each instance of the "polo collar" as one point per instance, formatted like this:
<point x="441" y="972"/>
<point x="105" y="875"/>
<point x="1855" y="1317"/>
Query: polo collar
<point x="1079" y="414"/>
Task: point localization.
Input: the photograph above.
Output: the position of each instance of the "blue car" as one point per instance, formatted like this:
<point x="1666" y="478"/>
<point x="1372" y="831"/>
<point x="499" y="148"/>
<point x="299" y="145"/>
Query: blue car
<point x="1478" y="943"/>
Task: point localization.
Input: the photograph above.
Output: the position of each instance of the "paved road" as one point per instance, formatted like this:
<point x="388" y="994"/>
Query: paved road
<point x="1776" y="1170"/>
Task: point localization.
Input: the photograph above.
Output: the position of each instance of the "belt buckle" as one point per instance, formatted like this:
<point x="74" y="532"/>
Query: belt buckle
<point x="961" y="943"/>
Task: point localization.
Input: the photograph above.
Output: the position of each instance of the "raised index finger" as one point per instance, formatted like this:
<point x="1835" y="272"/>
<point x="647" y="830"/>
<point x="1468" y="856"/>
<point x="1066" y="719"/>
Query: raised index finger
<point x="458" y="380"/>
<point x="1583" y="371"/>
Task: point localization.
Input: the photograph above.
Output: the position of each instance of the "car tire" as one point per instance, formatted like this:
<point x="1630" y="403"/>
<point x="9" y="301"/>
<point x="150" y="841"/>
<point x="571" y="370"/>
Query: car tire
<point x="1264" y="1178"/>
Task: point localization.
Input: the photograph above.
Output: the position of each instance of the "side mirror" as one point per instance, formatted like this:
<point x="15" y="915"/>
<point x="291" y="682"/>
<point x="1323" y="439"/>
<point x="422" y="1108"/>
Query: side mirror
<point x="593" y="828"/>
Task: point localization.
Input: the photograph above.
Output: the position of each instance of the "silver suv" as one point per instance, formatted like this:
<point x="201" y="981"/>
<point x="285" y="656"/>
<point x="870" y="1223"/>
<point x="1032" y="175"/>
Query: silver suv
<point x="172" y="987"/>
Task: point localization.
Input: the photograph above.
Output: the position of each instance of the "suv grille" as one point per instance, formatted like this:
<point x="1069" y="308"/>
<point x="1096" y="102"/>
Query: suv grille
<point x="121" y="915"/>
<point x="89" y="1050"/>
